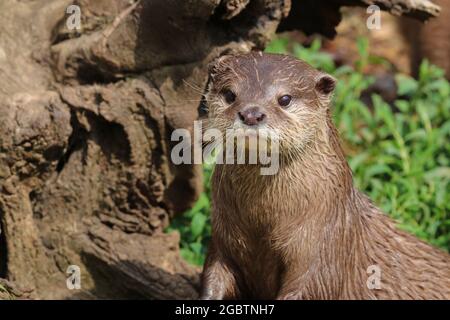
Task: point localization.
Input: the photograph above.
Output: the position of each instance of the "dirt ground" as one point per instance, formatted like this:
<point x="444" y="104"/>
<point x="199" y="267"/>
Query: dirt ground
<point x="387" y="42"/>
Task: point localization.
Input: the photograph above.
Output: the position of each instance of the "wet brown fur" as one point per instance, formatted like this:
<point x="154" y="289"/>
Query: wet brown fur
<point x="305" y="232"/>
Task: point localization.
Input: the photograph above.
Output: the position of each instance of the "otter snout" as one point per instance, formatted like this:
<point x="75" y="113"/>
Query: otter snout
<point x="252" y="116"/>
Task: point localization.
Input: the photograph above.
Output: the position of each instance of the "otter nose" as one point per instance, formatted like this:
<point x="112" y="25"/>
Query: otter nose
<point x="251" y="116"/>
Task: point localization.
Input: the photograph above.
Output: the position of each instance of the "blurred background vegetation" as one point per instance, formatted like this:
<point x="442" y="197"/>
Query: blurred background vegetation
<point x="398" y="149"/>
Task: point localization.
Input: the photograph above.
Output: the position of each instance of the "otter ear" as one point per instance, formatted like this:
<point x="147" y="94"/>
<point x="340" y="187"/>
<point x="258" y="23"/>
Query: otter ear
<point x="325" y="84"/>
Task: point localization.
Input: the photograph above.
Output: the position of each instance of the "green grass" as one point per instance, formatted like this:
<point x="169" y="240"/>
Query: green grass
<point x="195" y="225"/>
<point x="400" y="154"/>
<point x="5" y="294"/>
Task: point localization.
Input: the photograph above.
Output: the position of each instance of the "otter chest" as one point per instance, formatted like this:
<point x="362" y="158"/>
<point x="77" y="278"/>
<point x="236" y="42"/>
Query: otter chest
<point x="258" y="266"/>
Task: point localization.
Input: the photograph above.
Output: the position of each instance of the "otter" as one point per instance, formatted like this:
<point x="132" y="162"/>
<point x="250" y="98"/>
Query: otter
<point x="304" y="232"/>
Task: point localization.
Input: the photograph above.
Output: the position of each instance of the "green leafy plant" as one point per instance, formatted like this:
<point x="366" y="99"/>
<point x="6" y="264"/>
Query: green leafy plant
<point x="399" y="154"/>
<point x="5" y="294"/>
<point x="195" y="225"/>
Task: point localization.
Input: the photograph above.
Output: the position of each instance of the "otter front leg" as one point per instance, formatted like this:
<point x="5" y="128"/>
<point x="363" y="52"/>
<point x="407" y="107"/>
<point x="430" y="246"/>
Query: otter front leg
<point x="295" y="291"/>
<point x="218" y="280"/>
<point x="296" y="285"/>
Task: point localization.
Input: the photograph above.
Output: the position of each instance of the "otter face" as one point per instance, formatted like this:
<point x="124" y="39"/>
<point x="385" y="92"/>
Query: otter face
<point x="269" y="94"/>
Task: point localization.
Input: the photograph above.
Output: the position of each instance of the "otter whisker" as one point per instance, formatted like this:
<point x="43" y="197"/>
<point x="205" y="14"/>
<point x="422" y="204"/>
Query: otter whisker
<point x="194" y="87"/>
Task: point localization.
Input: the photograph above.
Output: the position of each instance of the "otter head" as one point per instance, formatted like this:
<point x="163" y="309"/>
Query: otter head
<point x="271" y="95"/>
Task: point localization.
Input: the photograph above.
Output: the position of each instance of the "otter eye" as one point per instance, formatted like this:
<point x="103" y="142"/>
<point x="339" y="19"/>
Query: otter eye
<point x="229" y="96"/>
<point x="284" y="100"/>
